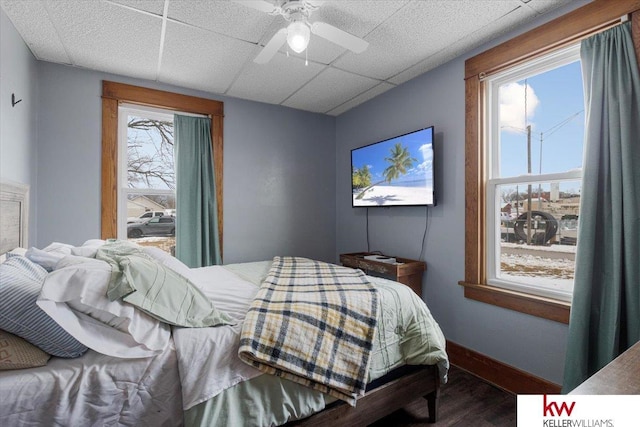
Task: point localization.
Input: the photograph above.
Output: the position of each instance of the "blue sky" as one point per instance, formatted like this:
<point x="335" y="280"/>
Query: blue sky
<point x="560" y="99"/>
<point x="419" y="145"/>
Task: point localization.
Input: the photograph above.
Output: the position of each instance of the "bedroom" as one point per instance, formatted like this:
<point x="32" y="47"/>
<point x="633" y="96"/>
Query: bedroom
<point x="54" y="137"/>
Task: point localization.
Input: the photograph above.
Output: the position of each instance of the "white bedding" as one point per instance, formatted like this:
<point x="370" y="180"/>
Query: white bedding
<point x="94" y="390"/>
<point x="208" y="357"/>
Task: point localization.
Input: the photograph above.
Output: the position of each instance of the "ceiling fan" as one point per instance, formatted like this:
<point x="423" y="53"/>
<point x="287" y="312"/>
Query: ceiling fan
<point x="298" y="32"/>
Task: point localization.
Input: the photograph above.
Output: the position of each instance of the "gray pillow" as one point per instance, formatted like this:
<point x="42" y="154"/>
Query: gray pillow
<point x="20" y="284"/>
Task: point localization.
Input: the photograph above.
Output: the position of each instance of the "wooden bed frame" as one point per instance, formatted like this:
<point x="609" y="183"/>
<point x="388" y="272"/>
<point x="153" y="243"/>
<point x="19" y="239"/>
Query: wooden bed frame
<point x="422" y="382"/>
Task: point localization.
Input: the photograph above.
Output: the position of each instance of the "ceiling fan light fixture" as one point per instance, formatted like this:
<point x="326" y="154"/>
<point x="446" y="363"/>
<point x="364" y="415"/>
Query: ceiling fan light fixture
<point x="298" y="34"/>
<point x="298" y="29"/>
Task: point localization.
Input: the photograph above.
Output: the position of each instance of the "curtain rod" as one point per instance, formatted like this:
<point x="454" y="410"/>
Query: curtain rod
<point x="602" y="27"/>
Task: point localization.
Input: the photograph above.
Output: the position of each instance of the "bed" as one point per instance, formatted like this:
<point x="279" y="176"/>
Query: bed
<point x="193" y="375"/>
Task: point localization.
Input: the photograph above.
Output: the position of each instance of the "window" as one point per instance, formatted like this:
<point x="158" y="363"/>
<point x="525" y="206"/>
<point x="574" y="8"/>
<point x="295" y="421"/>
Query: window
<point x="482" y="272"/>
<point x="115" y="94"/>
<point x="534" y="143"/>
<point x="146" y="177"/>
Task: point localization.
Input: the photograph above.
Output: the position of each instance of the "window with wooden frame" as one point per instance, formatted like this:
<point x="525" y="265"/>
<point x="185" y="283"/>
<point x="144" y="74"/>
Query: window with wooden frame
<point x="534" y="150"/>
<point x="146" y="176"/>
<point x="117" y="94"/>
<point x="545" y="40"/>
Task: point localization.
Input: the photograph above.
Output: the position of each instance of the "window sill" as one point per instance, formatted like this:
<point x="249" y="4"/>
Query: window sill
<point x="545" y="308"/>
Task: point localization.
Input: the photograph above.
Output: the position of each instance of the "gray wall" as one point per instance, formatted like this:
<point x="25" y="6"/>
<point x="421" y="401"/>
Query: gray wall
<point x="437" y="98"/>
<point x="281" y="200"/>
<point x="279" y="169"/>
<point x="18" y="74"/>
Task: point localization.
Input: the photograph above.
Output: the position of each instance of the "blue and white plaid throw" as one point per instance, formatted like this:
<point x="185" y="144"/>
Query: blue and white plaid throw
<point x="313" y="323"/>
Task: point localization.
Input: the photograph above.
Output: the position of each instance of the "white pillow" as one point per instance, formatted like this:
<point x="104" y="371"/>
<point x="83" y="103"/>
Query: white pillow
<point x="45" y="259"/>
<point x="74" y="295"/>
<point x="88" y="248"/>
<point x="49" y="256"/>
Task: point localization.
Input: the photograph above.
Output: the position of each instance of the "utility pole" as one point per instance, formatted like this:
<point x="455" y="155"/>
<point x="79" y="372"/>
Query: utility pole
<point x="529" y="186"/>
<point x="540" y="173"/>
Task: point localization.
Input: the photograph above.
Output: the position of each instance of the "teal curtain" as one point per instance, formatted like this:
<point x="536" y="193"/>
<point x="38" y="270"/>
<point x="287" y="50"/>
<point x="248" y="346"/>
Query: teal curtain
<point x="605" y="312"/>
<point x="197" y="242"/>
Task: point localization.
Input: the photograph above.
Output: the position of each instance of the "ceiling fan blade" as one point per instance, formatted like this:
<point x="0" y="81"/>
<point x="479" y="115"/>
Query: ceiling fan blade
<point x="339" y="37"/>
<point x="261" y="5"/>
<point x="271" y="47"/>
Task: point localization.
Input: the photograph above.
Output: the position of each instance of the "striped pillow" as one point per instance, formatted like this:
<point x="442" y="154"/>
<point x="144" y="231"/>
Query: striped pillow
<point x="20" y="284"/>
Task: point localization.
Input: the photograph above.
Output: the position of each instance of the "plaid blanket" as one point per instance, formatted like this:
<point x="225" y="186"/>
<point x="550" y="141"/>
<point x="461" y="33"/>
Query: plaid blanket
<point x="313" y="323"/>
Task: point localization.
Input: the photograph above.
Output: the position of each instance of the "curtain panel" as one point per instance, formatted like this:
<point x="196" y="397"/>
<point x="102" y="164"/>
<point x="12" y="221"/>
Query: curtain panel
<point x="605" y="312"/>
<point x="197" y="243"/>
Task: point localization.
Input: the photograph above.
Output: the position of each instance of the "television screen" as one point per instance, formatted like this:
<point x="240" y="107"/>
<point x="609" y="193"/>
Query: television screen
<point x="394" y="172"/>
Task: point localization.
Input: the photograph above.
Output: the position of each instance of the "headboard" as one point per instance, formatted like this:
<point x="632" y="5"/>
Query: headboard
<point x="14" y="215"/>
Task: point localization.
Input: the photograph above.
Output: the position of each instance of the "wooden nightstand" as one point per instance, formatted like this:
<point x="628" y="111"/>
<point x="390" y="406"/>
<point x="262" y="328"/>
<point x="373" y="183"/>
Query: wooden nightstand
<point x="406" y="271"/>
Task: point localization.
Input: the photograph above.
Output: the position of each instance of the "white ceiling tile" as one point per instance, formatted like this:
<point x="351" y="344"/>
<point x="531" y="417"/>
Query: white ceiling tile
<point x="358" y="17"/>
<point x="275" y="81"/>
<point x="32" y="22"/>
<point x="106" y="37"/>
<point x="477" y="38"/>
<point x="355" y="17"/>
<point x="403" y="41"/>
<point x="152" y="6"/>
<point x="201" y="59"/>
<point x="543" y="6"/>
<point x="223" y="17"/>
<point x="329" y="89"/>
<point x="363" y="97"/>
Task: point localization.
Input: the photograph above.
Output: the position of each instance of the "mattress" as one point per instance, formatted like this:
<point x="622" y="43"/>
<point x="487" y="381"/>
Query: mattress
<point x="200" y="376"/>
<point x="406" y="334"/>
<point x="94" y="389"/>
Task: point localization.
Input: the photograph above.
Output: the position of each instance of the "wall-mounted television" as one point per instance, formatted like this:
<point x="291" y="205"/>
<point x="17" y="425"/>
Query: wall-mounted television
<point x="394" y="172"/>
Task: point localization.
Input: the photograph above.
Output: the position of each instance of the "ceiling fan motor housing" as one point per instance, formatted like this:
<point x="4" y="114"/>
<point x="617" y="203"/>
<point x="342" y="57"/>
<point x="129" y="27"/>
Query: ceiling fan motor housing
<point x="296" y="10"/>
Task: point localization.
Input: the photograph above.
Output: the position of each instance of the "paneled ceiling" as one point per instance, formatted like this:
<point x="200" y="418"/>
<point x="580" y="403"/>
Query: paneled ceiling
<point x="210" y="45"/>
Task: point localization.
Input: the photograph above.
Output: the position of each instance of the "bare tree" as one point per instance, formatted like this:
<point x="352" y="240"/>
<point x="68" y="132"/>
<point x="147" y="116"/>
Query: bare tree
<point x="150" y="153"/>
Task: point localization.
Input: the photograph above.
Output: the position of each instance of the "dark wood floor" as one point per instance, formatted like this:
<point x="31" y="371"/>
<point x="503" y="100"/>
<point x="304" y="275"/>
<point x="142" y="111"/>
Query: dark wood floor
<point x="464" y="401"/>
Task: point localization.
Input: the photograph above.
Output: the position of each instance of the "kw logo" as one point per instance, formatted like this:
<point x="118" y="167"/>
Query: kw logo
<point x="551" y="409"/>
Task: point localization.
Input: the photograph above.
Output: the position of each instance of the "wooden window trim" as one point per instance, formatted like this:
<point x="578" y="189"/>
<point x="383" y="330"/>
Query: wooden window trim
<point x="560" y="32"/>
<point x="113" y="94"/>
